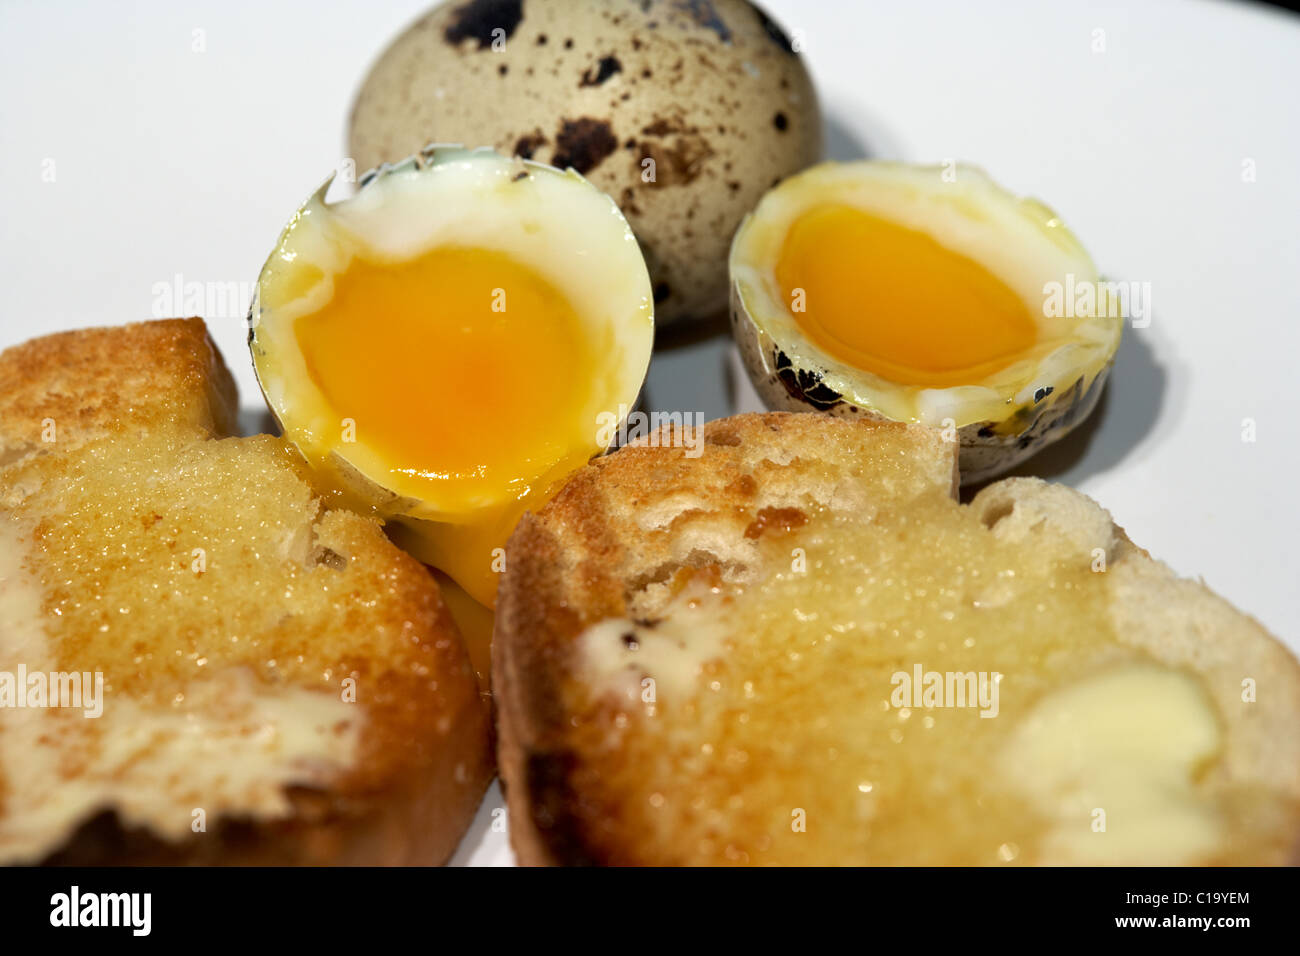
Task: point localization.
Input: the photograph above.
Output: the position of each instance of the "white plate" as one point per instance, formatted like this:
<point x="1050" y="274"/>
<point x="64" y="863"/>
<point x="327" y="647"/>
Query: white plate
<point x="1141" y="124"/>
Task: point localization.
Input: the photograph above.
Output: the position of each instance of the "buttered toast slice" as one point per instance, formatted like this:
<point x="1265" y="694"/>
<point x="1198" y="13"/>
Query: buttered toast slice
<point x="280" y="684"/>
<point x="798" y="648"/>
<point x="62" y="390"/>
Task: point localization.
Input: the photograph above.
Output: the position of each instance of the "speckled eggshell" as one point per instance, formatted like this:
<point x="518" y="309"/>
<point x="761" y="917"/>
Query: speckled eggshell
<point x="709" y="97"/>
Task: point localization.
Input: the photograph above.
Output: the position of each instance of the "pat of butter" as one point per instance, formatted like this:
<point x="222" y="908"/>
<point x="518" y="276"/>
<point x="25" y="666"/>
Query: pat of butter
<point x="1110" y="761"/>
<point x="619" y="654"/>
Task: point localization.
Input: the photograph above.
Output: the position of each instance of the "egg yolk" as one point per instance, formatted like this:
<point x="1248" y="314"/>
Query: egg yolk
<point x="474" y="622"/>
<point x="462" y="370"/>
<point x="894" y="302"/>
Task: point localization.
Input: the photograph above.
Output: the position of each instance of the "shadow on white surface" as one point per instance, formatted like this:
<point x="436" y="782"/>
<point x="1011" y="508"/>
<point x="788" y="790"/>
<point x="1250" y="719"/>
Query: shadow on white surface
<point x="841" y="141"/>
<point x="850" y="131"/>
<point x="256" y="421"/>
<point x="1141" y="404"/>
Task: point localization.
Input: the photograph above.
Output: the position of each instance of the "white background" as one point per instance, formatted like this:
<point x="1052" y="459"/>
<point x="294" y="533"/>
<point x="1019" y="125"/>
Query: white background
<point x="169" y="161"/>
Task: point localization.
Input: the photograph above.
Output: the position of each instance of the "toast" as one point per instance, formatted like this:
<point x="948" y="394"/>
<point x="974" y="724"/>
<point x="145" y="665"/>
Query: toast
<point x="60" y="391"/>
<point x="799" y="648"/>
<point x="280" y="683"/>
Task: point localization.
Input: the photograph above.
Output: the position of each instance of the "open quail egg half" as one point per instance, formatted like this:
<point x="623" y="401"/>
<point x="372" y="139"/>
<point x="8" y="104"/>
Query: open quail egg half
<point x="449" y="343"/>
<point x="922" y="294"/>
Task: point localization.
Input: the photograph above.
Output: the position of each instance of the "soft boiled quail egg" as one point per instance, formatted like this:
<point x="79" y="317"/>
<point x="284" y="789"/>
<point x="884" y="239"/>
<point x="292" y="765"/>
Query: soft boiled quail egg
<point x="443" y="346"/>
<point x="921" y="294"/>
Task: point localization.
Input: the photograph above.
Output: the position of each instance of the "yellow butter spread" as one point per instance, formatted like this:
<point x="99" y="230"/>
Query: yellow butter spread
<point x="1121" y="751"/>
<point x="806" y="710"/>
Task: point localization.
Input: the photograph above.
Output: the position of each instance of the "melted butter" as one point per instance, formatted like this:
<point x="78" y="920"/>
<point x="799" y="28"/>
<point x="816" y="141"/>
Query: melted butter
<point x="1121" y="750"/>
<point x="210" y="700"/>
<point x="790" y="746"/>
<point x="233" y="749"/>
<point x="22" y="626"/>
<point x="622" y="654"/>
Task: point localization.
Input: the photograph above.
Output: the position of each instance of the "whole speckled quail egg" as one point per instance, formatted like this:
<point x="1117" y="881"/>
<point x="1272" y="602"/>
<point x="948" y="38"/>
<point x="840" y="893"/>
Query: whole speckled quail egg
<point x="684" y="111"/>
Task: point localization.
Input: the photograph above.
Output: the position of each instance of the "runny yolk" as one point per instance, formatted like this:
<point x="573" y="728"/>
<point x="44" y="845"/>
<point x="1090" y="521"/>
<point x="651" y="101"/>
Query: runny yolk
<point x="465" y="371"/>
<point x="893" y="301"/>
<point x="474" y="621"/>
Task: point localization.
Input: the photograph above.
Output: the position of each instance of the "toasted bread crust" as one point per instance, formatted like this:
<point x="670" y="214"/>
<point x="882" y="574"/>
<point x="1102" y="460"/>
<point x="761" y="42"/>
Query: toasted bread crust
<point x="416" y="819"/>
<point x="94" y="382"/>
<point x="148" y="400"/>
<point x="529" y="648"/>
<point x="579" y="560"/>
